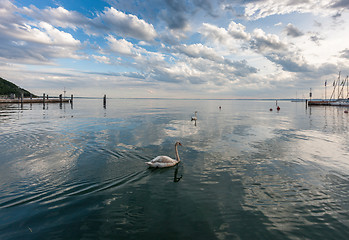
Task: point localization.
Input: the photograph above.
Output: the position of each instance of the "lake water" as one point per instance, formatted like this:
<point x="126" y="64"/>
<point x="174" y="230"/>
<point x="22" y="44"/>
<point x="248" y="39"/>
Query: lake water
<point x="246" y="172"/>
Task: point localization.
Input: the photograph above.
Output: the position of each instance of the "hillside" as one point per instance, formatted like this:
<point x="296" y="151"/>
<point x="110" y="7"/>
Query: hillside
<point x="7" y="88"/>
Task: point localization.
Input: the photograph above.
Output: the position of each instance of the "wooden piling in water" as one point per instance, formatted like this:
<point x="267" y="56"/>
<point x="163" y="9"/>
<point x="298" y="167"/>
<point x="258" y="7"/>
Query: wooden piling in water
<point x="43" y="101"/>
<point x="71" y="101"/>
<point x="22" y="100"/>
<point x="105" y="101"/>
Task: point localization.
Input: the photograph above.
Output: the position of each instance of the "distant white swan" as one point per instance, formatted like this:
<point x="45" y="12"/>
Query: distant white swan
<point x="165" y="161"/>
<point x="195" y="117"/>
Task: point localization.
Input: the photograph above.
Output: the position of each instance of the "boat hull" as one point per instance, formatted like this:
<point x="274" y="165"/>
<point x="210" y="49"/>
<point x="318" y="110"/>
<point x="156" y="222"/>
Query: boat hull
<point x="329" y="103"/>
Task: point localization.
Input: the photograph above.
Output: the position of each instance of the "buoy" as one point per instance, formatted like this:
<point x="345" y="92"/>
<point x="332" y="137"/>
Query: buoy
<point x="278" y="108"/>
<point x="345" y="111"/>
<point x="270" y="109"/>
<point x="220" y="107"/>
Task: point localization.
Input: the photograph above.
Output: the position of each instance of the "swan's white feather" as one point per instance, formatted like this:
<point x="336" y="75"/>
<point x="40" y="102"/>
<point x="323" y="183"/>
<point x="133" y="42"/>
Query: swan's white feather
<point x="162" y="161"/>
<point x="165" y="161"/>
<point x="195" y="117"/>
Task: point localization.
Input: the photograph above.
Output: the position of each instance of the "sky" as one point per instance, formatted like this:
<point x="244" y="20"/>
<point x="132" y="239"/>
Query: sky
<point x="175" y="48"/>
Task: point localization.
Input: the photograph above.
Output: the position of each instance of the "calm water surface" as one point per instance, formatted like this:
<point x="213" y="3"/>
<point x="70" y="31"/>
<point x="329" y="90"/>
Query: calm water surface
<point x="246" y="172"/>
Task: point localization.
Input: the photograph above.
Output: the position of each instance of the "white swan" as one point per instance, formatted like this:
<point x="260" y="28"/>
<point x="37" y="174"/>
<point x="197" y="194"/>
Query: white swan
<point x="194" y="118"/>
<point x="165" y="161"/>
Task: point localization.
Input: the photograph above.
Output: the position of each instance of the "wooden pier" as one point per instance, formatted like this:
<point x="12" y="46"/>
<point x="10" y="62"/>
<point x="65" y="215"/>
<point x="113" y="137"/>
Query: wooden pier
<point x="341" y="102"/>
<point x="318" y="103"/>
<point x="35" y="100"/>
<point x="45" y="99"/>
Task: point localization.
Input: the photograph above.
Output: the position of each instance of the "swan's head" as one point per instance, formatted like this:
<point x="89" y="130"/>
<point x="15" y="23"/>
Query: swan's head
<point x="178" y="143"/>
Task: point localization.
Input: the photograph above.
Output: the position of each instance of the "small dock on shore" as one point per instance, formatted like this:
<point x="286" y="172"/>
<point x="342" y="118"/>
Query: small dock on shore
<point x="45" y="99"/>
<point x="319" y="103"/>
<point x="35" y="100"/>
<point x="342" y="102"/>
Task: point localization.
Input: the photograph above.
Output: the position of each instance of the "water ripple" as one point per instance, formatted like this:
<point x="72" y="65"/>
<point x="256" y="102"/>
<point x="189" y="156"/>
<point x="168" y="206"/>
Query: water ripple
<point x="52" y="195"/>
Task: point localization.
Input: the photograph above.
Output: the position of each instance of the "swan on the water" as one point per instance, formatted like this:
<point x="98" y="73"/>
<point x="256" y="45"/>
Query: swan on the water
<point x="165" y="161"/>
<point x="195" y="117"/>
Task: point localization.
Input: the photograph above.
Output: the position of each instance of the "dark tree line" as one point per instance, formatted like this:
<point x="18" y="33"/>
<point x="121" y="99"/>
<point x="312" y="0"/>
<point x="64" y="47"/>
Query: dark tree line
<point x="7" y="88"/>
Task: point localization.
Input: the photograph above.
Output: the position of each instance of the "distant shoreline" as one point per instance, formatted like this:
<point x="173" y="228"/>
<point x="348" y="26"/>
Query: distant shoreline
<point x="160" y="98"/>
<point x="228" y="99"/>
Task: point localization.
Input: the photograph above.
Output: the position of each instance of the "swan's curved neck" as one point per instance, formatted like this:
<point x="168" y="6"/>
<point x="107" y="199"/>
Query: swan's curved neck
<point x="176" y="152"/>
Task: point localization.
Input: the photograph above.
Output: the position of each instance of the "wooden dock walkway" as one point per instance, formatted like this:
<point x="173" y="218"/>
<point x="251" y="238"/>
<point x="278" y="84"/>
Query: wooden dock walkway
<point x="35" y="100"/>
<point x="342" y="102"/>
<point x="45" y="99"/>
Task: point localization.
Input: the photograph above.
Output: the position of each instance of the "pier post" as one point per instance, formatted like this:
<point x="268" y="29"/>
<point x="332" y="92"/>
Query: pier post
<point x="60" y="101"/>
<point x="105" y="101"/>
<point x="22" y="100"/>
<point x="71" y="101"/>
<point x="43" y="101"/>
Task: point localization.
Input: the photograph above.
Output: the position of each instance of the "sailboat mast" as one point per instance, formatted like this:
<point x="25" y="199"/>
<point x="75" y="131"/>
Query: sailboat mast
<point x="335" y="84"/>
<point x="347" y="80"/>
<point x="338" y="82"/>
<point x="334" y="90"/>
<point x="343" y="87"/>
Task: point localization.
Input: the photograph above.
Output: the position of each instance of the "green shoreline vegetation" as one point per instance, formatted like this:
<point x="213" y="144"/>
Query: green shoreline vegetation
<point x="8" y="89"/>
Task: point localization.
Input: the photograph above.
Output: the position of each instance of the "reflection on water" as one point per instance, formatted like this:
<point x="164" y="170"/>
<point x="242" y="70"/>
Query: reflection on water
<point x="246" y="172"/>
<point x="176" y="178"/>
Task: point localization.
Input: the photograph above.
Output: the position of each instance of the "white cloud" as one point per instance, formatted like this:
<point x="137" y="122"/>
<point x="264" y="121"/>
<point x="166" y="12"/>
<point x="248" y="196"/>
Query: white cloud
<point x="283" y="54"/>
<point x="261" y="9"/>
<point x="215" y="34"/>
<point x="345" y="53"/>
<point x="6" y="13"/>
<point x="34" y="42"/>
<point x="266" y="42"/>
<point x="217" y="62"/>
<point x="199" y="51"/>
<point x="127" y="25"/>
<point x="57" y="37"/>
<point x="37" y="45"/>
<point x="232" y="39"/>
<point x="121" y="46"/>
<point x="106" y="22"/>
<point x="28" y="33"/>
<point x="286" y="55"/>
<point x="237" y="30"/>
<point x="59" y="16"/>
<point x="293" y="31"/>
<point x="102" y="59"/>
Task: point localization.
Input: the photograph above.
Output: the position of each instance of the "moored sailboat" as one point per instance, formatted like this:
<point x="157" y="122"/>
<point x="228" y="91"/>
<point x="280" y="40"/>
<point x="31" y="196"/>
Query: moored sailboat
<point x="339" y="87"/>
